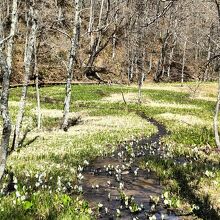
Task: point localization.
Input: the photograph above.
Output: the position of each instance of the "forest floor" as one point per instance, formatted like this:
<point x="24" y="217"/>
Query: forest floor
<point x="51" y="175"/>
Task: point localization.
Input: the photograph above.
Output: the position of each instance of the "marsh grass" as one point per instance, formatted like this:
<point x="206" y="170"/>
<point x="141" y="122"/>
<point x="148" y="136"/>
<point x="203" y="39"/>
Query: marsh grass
<point x="57" y="155"/>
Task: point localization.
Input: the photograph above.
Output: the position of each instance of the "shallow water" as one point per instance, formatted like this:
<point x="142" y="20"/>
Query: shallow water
<point x="107" y="179"/>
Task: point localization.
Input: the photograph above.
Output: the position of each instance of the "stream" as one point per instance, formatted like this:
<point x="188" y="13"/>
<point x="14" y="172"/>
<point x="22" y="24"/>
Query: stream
<point x="120" y="189"/>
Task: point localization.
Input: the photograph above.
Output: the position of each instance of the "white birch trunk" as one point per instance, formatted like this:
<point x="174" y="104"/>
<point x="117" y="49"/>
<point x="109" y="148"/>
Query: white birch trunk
<point x="184" y="61"/>
<point x="91" y="23"/>
<point x="6" y="131"/>
<point x="206" y="75"/>
<point x="99" y="26"/>
<point x="14" y="21"/>
<point x="31" y="38"/>
<point x="114" y="37"/>
<point x="216" y="130"/>
<point x="72" y="59"/>
<point x="37" y="87"/>
<point x="141" y="80"/>
<point x="171" y="56"/>
<point x="150" y="65"/>
<point x="6" y="66"/>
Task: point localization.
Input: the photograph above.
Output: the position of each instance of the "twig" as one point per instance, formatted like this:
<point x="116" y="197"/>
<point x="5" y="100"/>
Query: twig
<point x="5" y="39"/>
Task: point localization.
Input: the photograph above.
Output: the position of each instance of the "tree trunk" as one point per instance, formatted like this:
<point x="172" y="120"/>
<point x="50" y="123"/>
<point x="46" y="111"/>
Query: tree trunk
<point x="30" y="41"/>
<point x="183" y="63"/>
<point x="114" y="39"/>
<point x="14" y="20"/>
<point x="150" y="63"/>
<point x="91" y="22"/>
<point x="6" y="67"/>
<point x="161" y="60"/>
<point x="206" y="74"/>
<point x="37" y="86"/>
<point x="6" y="132"/>
<point x="71" y="64"/>
<point x="216" y="130"/>
<point x="171" y="55"/>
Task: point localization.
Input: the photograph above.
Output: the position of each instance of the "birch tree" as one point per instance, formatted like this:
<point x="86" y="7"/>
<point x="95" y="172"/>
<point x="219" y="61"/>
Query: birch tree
<point x="71" y="63"/>
<point x="91" y="23"/>
<point x="14" y="20"/>
<point x="6" y="131"/>
<point x="215" y="122"/>
<point x="36" y="76"/>
<point x="172" y="48"/>
<point x="6" y="69"/>
<point x="140" y="47"/>
<point x="28" y="60"/>
<point x="183" y="62"/>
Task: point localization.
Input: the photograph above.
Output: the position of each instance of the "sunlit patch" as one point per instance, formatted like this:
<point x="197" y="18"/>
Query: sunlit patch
<point x="184" y="119"/>
<point x="133" y="98"/>
<point x="55" y="113"/>
<point x="204" y="91"/>
<point x="93" y="124"/>
<point x="118" y="97"/>
<point x="16" y="104"/>
<point x="170" y="105"/>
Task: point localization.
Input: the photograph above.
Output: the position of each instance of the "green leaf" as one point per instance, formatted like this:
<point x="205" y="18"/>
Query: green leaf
<point x="27" y="205"/>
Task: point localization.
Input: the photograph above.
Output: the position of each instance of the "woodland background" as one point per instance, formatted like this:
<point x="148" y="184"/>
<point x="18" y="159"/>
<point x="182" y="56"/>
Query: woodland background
<point x="118" y="39"/>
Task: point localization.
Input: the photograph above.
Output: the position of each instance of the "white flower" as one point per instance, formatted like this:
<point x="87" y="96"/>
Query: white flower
<point x="17" y="194"/>
<point x="118" y="212"/>
<point x="80" y="176"/>
<point x="80" y="169"/>
<point x="15" y="180"/>
<point x="153" y="217"/>
<point x="152" y="207"/>
<point x="89" y="211"/>
<point x="85" y="162"/>
<point x="121" y="185"/>
<point x="136" y="172"/>
<point x="163" y="216"/>
<point x="80" y="189"/>
<point x="109" y="182"/>
<point x="23" y="198"/>
<point x="100" y="205"/>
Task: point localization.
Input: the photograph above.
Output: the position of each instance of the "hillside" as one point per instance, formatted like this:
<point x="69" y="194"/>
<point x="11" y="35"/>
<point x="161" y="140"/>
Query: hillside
<point x="159" y="53"/>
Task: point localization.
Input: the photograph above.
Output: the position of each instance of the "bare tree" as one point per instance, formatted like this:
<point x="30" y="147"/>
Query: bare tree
<point x="28" y="59"/>
<point x="6" y="132"/>
<point x="6" y="69"/>
<point x="172" y="49"/>
<point x="14" y="20"/>
<point x="72" y="60"/>
<point x="91" y="23"/>
<point x="216" y="129"/>
<point x="36" y="76"/>
<point x="183" y="62"/>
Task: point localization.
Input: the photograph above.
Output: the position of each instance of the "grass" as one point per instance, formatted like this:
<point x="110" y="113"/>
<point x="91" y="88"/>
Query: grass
<point x="47" y="169"/>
